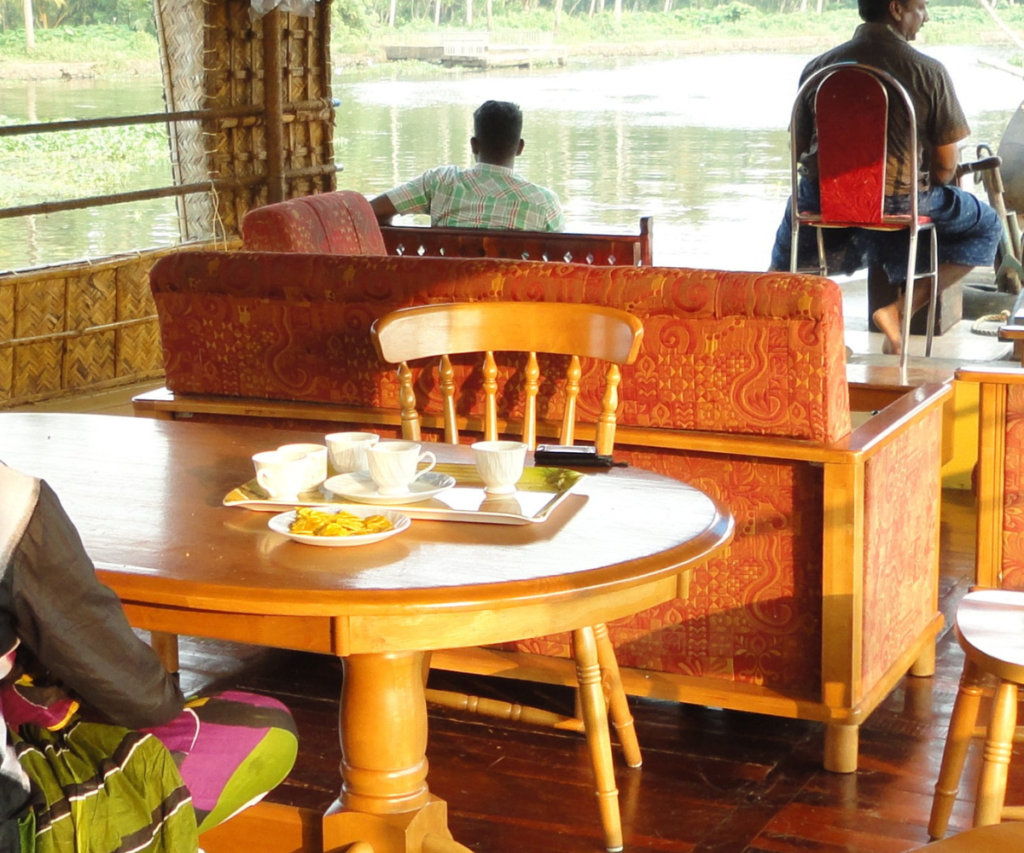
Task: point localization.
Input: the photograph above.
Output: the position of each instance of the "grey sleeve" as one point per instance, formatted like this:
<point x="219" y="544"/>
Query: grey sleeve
<point x="76" y="629"/>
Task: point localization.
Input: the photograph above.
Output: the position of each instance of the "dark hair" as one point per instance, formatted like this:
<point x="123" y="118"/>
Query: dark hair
<point x="873" y="11"/>
<point x="498" y="126"/>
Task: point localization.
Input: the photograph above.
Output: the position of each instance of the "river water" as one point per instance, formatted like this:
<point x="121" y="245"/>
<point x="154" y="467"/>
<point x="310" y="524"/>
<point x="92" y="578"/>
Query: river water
<point x="699" y="142"/>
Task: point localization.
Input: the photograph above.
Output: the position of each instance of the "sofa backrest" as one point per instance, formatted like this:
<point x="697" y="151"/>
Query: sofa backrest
<point x="558" y="246"/>
<point x="743" y="353"/>
<point x="339" y="223"/>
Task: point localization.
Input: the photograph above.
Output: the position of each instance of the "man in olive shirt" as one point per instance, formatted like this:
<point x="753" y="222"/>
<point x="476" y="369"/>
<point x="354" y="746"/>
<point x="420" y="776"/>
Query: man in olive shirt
<point x="488" y="195"/>
<point x="968" y="230"/>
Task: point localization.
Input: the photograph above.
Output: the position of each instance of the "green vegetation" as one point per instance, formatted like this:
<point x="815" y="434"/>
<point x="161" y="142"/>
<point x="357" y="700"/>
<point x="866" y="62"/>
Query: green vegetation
<point x="50" y="166"/>
<point x="583" y="21"/>
<point x="50" y="14"/>
<point x="360" y="26"/>
<point x="112" y="44"/>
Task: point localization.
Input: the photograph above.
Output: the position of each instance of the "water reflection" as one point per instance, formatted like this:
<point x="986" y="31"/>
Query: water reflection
<point x="700" y="142"/>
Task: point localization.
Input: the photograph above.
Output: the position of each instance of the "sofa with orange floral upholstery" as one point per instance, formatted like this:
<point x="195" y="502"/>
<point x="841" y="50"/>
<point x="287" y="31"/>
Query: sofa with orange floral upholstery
<point x="827" y="596"/>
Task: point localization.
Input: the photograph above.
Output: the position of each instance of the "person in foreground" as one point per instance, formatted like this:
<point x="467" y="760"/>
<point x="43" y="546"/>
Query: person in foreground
<point x="488" y="195"/>
<point x="99" y="750"/>
<point x="968" y="230"/>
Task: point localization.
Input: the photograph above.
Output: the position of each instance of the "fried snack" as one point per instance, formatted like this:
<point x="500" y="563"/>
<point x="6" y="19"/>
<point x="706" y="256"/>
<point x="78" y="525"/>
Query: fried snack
<point x="318" y="522"/>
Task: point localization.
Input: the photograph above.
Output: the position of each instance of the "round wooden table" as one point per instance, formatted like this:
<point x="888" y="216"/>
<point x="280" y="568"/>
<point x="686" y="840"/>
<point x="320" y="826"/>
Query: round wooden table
<point x="146" y="497"/>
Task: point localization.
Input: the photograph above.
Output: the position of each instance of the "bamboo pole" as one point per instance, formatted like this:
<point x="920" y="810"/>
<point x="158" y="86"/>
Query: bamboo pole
<point x="77" y="333"/>
<point x="159" y="192"/>
<point x="225" y="113"/>
<point x="272" y="102"/>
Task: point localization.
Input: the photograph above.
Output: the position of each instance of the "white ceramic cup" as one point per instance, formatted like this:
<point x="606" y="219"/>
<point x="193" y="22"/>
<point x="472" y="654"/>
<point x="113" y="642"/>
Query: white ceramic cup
<point x="500" y="465"/>
<point x="316" y="462"/>
<point x="394" y="465"/>
<point x="281" y="474"/>
<point x="347" y="450"/>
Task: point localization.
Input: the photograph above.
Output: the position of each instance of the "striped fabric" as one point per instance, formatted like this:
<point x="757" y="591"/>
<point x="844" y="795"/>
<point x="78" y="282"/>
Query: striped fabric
<point x="107" y="789"/>
<point x="485" y="196"/>
<point x="104" y="789"/>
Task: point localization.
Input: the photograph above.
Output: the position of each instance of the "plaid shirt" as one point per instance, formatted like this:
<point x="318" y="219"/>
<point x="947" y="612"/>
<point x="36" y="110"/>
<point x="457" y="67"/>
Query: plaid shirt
<point x="484" y="196"/>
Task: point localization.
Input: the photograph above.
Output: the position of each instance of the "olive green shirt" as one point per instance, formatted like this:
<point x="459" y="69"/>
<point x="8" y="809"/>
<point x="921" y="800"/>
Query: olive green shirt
<point x="940" y="118"/>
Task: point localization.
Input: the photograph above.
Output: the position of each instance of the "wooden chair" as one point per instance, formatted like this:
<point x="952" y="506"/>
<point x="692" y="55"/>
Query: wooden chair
<point x="851" y="117"/>
<point x="990" y="629"/>
<point x="587" y="331"/>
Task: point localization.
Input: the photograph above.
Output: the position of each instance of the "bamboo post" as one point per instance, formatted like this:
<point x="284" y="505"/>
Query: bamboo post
<point x="272" y="104"/>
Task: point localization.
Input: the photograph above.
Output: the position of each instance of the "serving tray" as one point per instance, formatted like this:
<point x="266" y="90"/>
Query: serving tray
<point x="537" y="493"/>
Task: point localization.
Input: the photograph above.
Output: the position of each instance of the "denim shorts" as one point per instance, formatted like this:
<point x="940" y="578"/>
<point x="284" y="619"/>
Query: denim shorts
<point x="968" y="233"/>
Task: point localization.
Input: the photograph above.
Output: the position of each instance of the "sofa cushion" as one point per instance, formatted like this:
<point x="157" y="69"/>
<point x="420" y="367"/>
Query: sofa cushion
<point x="340" y="223"/>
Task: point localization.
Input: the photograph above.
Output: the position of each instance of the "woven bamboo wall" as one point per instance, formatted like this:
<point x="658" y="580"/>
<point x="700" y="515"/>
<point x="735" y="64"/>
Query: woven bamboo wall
<point x="86" y="326"/>
<point x="79" y="327"/>
<point x="235" y="77"/>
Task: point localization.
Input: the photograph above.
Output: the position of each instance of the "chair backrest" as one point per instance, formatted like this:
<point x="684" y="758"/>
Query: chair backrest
<point x="338" y="223"/>
<point x="557" y="328"/>
<point x="851" y="121"/>
<point x="851" y="110"/>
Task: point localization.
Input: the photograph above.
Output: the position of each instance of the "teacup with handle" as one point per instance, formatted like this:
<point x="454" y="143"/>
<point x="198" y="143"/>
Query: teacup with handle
<point x="394" y="465"/>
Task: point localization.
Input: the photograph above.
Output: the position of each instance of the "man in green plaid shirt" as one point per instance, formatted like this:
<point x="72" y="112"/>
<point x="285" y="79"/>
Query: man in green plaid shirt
<point x="490" y="194"/>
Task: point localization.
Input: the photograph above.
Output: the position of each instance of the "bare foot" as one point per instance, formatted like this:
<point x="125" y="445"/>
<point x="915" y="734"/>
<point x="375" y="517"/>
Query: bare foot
<point x="887" y="319"/>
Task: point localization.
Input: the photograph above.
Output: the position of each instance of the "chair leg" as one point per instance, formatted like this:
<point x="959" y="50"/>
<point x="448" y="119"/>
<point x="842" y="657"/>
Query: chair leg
<point x="502" y="710"/>
<point x="595" y="720"/>
<point x="618" y="707"/>
<point x="958" y="740"/>
<point x="933" y="304"/>
<point x="988" y="808"/>
<point x="166" y="647"/>
<point x="908" y="303"/>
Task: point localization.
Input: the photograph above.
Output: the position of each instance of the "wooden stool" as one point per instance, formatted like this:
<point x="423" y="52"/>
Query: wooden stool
<point x="1004" y="838"/>
<point x="990" y="629"/>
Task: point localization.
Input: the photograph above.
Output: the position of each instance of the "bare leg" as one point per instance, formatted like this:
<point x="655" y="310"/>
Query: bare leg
<point x="888" y="317"/>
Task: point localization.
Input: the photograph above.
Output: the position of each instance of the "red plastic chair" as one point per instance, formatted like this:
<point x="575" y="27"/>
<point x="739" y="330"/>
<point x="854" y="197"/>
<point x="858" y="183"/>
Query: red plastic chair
<point x="851" y="115"/>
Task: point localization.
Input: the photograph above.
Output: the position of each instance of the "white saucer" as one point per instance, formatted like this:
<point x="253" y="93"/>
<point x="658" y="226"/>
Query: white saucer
<point x="283" y="522"/>
<point x="359" y="487"/>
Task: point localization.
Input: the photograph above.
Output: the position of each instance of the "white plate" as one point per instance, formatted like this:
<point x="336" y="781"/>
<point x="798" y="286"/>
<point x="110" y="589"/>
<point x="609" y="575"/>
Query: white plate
<point x="281" y="524"/>
<point x="358" y="486"/>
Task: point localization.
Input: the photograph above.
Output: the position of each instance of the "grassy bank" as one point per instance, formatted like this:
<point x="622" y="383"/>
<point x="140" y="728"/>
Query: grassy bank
<point x="112" y="50"/>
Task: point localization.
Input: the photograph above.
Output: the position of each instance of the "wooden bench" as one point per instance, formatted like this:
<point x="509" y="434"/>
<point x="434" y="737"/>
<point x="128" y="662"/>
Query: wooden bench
<point x="343" y="223"/>
<point x="596" y="249"/>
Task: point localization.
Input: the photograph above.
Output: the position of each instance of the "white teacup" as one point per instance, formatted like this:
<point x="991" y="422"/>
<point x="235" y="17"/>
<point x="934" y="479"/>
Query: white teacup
<point x="347" y="450"/>
<point x="500" y="465"/>
<point x="394" y="464"/>
<point x="316" y="462"/>
<point x="281" y="474"/>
